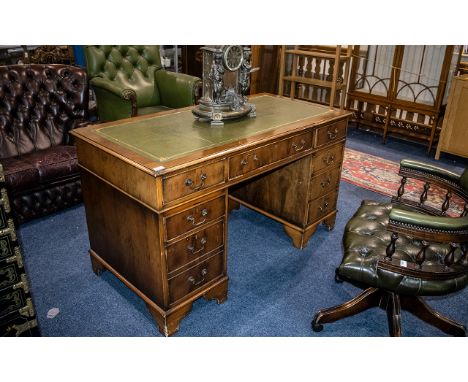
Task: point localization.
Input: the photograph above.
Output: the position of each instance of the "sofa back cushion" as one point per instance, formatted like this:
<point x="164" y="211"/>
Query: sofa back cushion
<point x="39" y="104"/>
<point x="129" y="66"/>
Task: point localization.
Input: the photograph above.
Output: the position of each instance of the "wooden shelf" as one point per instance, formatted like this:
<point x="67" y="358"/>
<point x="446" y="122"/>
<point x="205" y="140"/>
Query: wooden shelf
<point x="314" y="54"/>
<point x="314" y="82"/>
<point x="323" y="69"/>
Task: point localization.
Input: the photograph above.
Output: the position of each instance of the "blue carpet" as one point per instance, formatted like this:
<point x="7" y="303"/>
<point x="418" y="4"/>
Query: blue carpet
<point x="274" y="289"/>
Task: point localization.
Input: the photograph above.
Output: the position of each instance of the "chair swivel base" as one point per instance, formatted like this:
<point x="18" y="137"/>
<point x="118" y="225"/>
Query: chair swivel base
<point x="392" y="303"/>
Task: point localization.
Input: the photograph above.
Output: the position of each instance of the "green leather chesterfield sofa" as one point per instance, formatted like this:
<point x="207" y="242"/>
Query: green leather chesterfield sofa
<point x="130" y="81"/>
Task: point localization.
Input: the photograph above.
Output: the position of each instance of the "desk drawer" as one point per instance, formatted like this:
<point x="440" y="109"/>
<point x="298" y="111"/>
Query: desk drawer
<point x="195" y="277"/>
<point x="193" y="247"/>
<point x="327" y="159"/>
<point x="195" y="217"/>
<point x="324" y="182"/>
<point x="196" y="179"/>
<point x="321" y="207"/>
<point x="262" y="156"/>
<point x="331" y="133"/>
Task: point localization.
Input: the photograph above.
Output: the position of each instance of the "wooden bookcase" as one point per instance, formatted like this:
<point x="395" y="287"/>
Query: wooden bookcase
<point x="400" y="90"/>
<point x="454" y="134"/>
<point x="311" y="72"/>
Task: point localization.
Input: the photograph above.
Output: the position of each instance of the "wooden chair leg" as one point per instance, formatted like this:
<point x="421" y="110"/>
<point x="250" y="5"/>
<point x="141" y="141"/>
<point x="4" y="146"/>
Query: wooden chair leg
<point x="367" y="299"/>
<point x="418" y="307"/>
<point x="394" y="314"/>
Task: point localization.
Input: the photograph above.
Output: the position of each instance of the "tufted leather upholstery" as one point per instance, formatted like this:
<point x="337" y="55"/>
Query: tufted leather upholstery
<point x="39" y="105"/>
<point x="129" y="81"/>
<point x="404" y="250"/>
<point x="365" y="240"/>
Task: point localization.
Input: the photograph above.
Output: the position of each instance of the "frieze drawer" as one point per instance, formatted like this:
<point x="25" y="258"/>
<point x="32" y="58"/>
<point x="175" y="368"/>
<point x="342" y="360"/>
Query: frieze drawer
<point x="327" y="159"/>
<point x="196" y="277"/>
<point x="321" y="207"/>
<point x="331" y="133"/>
<point x="324" y="183"/>
<point x="198" y="216"/>
<point x="191" y="181"/>
<point x="265" y="155"/>
<point x="191" y="248"/>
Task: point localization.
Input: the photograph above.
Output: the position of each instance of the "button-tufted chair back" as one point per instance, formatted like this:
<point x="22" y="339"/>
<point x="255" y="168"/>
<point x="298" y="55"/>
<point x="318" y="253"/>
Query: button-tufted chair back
<point x="132" y="67"/>
<point x="39" y="104"/>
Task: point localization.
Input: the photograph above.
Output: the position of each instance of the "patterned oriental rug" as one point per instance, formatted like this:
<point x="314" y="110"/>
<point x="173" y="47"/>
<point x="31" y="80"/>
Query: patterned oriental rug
<point x="381" y="175"/>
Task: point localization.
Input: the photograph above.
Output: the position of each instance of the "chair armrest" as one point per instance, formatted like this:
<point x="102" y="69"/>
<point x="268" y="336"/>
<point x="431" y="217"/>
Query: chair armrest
<point x="110" y="86"/>
<point x="176" y="89"/>
<point x="423" y="171"/>
<point x="426" y="227"/>
<point x="113" y="101"/>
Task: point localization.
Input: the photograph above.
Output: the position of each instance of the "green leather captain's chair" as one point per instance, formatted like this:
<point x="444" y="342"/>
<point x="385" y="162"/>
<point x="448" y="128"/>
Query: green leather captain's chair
<point x="128" y="80"/>
<point x="401" y="251"/>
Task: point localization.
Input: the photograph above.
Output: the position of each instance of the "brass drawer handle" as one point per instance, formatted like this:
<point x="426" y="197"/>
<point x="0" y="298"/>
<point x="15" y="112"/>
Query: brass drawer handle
<point x="325" y="183"/>
<point x="191" y="247"/>
<point x="324" y="207"/>
<point x="329" y="159"/>
<point x="245" y="161"/>
<point x="191" y="219"/>
<point x="192" y="280"/>
<point x="190" y="183"/>
<point x="297" y="148"/>
<point x="332" y="134"/>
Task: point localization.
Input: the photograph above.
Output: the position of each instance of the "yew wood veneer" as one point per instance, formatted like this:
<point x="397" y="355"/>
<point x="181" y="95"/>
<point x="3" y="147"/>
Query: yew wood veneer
<point x="157" y="190"/>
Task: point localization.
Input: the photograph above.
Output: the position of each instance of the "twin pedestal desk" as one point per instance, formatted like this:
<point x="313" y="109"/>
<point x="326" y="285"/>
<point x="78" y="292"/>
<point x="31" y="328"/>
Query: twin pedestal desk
<point x="157" y="191"/>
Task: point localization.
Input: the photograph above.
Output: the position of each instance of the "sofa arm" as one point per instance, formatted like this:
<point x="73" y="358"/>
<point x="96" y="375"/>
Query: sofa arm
<point x="113" y="101"/>
<point x="176" y="89"/>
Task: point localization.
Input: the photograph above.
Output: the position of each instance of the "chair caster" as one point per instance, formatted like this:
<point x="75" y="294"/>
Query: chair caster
<point x="338" y="278"/>
<point x="316" y="327"/>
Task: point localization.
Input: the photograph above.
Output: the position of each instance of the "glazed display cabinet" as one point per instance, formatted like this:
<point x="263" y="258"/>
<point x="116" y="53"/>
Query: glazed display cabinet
<point x="401" y="90"/>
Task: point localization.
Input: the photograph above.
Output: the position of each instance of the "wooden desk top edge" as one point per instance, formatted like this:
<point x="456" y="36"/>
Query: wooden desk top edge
<point x="88" y="134"/>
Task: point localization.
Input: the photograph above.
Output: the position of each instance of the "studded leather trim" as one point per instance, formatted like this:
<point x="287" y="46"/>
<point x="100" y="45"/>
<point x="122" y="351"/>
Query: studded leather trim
<point x="427" y="229"/>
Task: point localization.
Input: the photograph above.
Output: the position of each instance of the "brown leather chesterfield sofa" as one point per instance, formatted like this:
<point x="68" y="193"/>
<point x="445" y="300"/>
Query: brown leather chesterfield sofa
<point x="39" y="105"/>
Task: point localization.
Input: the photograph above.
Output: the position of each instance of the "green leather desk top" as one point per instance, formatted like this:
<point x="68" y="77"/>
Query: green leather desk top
<point x="167" y="137"/>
